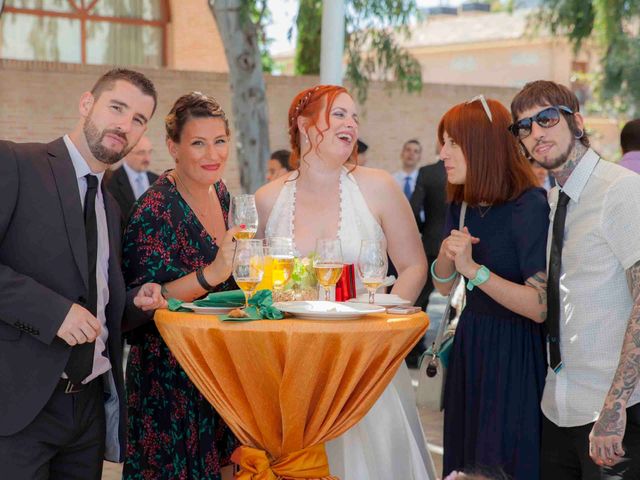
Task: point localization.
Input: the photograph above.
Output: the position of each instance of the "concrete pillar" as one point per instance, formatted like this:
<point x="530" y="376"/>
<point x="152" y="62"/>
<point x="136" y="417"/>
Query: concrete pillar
<point x="333" y="13"/>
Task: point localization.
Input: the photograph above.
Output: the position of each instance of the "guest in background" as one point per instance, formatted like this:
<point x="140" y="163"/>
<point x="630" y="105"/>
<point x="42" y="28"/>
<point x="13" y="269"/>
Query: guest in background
<point x="278" y="164"/>
<point x="132" y="179"/>
<point x="496" y="370"/>
<point x="178" y="237"/>
<point x="362" y="153"/>
<point x="630" y="144"/>
<point x="408" y="174"/>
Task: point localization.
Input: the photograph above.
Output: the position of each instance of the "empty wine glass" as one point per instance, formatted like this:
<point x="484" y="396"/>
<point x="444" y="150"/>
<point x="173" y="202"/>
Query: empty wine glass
<point x="328" y="264"/>
<point x="372" y="265"/>
<point x="243" y="212"/>
<point x="248" y="266"/>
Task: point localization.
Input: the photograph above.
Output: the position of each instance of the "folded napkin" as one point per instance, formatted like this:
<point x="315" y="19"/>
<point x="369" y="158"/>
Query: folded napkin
<point x="260" y="307"/>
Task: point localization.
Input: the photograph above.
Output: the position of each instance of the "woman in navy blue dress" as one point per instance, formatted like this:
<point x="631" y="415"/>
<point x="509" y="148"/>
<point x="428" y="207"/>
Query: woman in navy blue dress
<point x="497" y="366"/>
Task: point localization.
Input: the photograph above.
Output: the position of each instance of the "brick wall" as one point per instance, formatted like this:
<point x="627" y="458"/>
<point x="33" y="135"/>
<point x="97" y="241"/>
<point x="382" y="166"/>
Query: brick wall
<point x="39" y="102"/>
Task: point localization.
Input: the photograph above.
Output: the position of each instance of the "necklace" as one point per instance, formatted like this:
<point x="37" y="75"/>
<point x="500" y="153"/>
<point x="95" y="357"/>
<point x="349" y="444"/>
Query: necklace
<point x="202" y="214"/>
<point x="483" y="212"/>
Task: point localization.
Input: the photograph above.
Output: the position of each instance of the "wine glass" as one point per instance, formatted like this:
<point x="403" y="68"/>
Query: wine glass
<point x="328" y="264"/>
<point x="243" y="212"/>
<point x="248" y="266"/>
<point x="372" y="265"/>
<point x="280" y="251"/>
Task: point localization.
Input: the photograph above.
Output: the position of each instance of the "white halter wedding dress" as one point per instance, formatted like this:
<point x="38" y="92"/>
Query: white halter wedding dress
<point x="388" y="443"/>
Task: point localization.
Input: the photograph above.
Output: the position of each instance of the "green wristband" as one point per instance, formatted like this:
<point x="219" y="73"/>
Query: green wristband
<point x="437" y="278"/>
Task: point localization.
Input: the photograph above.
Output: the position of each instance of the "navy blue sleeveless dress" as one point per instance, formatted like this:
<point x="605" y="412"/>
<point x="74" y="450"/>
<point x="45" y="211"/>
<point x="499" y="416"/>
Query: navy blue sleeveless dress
<point x="498" y="364"/>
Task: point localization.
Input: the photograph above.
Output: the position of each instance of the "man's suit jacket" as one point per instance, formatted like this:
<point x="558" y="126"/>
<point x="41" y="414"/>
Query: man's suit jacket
<point x="43" y="271"/>
<point x="430" y="196"/>
<point x="119" y="186"/>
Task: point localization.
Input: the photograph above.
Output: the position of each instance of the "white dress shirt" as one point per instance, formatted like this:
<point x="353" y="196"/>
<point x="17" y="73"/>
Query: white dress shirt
<point x="601" y="241"/>
<point x="139" y="181"/>
<point x="101" y="364"/>
<point x="401" y="175"/>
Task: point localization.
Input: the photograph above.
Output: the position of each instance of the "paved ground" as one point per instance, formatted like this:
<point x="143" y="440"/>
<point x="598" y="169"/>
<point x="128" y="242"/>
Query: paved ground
<point x="431" y="421"/>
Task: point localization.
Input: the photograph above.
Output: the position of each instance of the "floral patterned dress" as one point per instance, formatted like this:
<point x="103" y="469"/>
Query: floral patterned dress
<point x="173" y="432"/>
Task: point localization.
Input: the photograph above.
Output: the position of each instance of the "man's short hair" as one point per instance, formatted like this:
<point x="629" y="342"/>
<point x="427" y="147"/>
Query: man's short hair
<point x="546" y="92"/>
<point x="282" y="156"/>
<point x="412" y="140"/>
<point x="630" y="136"/>
<point x="139" y="80"/>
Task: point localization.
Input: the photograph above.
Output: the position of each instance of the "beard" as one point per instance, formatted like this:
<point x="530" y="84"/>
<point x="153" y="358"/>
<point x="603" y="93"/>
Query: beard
<point x="560" y="160"/>
<point x="94" y="139"/>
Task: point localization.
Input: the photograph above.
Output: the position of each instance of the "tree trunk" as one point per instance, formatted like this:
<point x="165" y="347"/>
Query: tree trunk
<point x="240" y="40"/>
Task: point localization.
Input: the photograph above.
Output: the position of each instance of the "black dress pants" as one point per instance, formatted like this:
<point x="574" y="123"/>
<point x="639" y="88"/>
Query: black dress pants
<point x="565" y="452"/>
<point x="65" y="441"/>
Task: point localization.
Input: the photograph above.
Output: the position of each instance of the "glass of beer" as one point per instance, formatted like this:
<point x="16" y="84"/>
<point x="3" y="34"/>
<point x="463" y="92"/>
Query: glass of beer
<point x="372" y="265"/>
<point x="280" y="251"/>
<point x="328" y="264"/>
<point x="243" y="212"/>
<point x="248" y="266"/>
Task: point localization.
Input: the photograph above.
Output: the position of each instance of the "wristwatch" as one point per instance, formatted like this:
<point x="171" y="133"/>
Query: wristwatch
<point x="482" y="275"/>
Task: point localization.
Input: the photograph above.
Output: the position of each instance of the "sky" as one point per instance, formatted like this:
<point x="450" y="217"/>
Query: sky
<point x="283" y="12"/>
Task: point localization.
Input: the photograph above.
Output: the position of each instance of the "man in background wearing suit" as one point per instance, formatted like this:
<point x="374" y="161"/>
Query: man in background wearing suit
<point x="132" y="179"/>
<point x="63" y="294"/>
<point x="429" y="205"/>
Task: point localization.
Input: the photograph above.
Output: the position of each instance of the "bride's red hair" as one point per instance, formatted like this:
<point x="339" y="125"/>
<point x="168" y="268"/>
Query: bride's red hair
<point x="310" y="104"/>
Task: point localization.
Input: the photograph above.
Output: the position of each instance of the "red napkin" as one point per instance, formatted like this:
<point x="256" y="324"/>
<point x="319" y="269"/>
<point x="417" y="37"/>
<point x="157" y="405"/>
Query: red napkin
<point x="346" y="286"/>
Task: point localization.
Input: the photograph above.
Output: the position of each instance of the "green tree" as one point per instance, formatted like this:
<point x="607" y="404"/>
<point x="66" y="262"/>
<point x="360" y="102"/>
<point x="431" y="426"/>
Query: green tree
<point x="373" y="29"/>
<point x="372" y="50"/>
<point x="612" y="26"/>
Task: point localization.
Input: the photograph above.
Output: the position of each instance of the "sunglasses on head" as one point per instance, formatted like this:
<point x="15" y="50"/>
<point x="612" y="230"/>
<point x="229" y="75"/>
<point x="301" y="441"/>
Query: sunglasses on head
<point x="546" y="118"/>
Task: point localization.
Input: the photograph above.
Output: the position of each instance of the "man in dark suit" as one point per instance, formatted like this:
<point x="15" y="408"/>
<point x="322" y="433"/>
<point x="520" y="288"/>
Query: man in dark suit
<point x="132" y="179"/>
<point x="62" y="291"/>
<point x="430" y="197"/>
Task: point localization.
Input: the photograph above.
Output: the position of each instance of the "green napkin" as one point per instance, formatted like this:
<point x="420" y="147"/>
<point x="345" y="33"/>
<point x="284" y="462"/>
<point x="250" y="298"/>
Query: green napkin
<point x="230" y="299"/>
<point x="260" y="307"/>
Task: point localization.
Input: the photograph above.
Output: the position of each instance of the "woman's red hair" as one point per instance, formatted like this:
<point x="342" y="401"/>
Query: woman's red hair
<point x="497" y="171"/>
<point x="310" y="104"/>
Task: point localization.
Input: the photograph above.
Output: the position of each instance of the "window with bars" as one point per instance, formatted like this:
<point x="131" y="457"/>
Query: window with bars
<point x="119" y="32"/>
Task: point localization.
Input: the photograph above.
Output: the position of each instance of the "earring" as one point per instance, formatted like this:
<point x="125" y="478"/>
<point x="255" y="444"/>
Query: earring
<point x="579" y="135"/>
<point x="306" y="139"/>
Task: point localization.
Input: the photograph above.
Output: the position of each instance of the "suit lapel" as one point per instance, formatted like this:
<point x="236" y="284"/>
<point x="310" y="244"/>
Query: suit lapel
<point x="67" y="186"/>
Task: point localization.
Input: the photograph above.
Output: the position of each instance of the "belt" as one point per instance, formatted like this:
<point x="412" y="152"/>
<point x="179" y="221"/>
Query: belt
<point x="67" y="386"/>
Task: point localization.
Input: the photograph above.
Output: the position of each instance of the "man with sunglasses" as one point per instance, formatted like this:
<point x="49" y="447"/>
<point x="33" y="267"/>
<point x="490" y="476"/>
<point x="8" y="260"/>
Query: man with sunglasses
<point x="590" y="403"/>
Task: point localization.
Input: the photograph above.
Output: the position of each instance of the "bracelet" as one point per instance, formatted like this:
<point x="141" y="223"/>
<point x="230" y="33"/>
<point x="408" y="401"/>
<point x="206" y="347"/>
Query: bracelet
<point x="202" y="280"/>
<point x="437" y="278"/>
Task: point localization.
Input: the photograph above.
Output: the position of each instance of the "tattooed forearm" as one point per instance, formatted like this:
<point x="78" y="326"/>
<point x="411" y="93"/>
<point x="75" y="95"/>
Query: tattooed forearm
<point x="609" y="421"/>
<point x="627" y="374"/>
<point x="539" y="282"/>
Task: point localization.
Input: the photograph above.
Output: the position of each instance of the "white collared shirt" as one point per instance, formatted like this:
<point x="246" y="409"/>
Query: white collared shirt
<point x="139" y="181"/>
<point x="601" y="241"/>
<point x="101" y="364"/>
<point x="401" y="175"/>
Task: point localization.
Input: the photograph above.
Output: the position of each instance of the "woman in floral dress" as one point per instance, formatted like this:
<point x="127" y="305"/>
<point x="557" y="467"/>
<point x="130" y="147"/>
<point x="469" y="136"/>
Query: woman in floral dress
<point x="177" y="236"/>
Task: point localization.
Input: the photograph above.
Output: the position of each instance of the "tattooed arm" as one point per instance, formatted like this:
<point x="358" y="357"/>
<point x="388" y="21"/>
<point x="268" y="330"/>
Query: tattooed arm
<point x="605" y="440"/>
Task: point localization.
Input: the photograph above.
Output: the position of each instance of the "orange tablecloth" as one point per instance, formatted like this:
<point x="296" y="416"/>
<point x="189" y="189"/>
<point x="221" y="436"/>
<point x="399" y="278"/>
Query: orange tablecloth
<point x="287" y="386"/>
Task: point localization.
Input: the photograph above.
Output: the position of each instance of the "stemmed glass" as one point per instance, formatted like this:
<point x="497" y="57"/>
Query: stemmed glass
<point x="248" y="266"/>
<point x="372" y="265"/>
<point x="328" y="264"/>
<point x="243" y="212"/>
<point x="280" y="251"/>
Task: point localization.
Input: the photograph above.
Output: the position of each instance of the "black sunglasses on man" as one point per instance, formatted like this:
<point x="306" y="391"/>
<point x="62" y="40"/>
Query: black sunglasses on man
<point x="547" y="118"/>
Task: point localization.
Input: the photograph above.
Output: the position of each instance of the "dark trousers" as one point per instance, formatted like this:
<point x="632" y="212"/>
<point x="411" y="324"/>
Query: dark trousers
<point x="66" y="441"/>
<point x="565" y="452"/>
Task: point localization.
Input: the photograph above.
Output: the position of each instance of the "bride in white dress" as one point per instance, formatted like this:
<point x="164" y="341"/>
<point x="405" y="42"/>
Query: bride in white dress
<point x="323" y="199"/>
